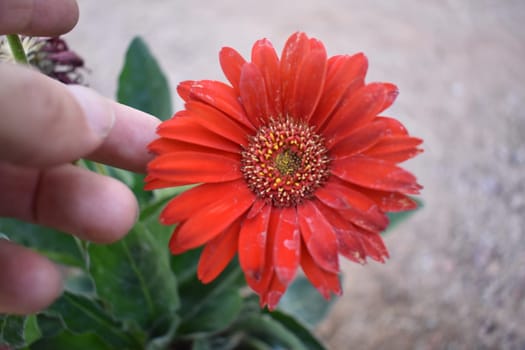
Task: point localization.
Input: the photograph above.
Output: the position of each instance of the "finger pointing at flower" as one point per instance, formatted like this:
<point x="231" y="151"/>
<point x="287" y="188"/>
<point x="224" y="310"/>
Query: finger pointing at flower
<point x="44" y="127"/>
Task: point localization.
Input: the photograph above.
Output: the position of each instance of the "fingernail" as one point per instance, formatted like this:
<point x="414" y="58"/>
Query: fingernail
<point x="97" y="110"/>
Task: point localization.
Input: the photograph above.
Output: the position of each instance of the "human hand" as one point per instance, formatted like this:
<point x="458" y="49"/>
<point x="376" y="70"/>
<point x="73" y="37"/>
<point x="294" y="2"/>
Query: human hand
<point x="44" y="127"/>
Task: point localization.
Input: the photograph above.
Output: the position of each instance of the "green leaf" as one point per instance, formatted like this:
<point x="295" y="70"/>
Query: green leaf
<point x="142" y="84"/>
<point x="304" y="302"/>
<point x="32" y="330"/>
<point x="268" y="330"/>
<point x="307" y="338"/>
<point x="59" y="247"/>
<point x="134" y="277"/>
<point x="68" y="341"/>
<point x="82" y="315"/>
<point x="50" y="325"/>
<point x="214" y="314"/>
<point x="13" y="330"/>
<point x="213" y="307"/>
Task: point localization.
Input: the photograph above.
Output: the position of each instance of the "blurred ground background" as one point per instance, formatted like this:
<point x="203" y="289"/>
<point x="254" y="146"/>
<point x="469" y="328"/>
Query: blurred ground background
<point x="456" y="277"/>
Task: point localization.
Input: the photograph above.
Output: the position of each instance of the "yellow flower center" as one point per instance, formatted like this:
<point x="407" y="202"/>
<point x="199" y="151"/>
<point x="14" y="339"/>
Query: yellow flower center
<point x="285" y="162"/>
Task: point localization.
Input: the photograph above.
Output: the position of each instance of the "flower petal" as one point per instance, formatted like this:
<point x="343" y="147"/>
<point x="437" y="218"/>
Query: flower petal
<point x="211" y="220"/>
<point x="358" y="141"/>
<point x="194" y="167"/>
<point x="353" y="205"/>
<point x="319" y="236"/>
<point x="394" y="125"/>
<point x="218" y="252"/>
<point x="252" y="243"/>
<point x="390" y="201"/>
<point x="187" y="130"/>
<point x="164" y="146"/>
<point x="360" y="109"/>
<point x="273" y="294"/>
<point x="215" y="94"/>
<point x="344" y="75"/>
<point x="261" y="285"/>
<point x="348" y="243"/>
<point x="395" y="148"/>
<point x="231" y="63"/>
<point x="309" y="83"/>
<point x="374" y="246"/>
<point x="253" y="94"/>
<point x="189" y="202"/>
<point x="294" y="51"/>
<point x="286" y="250"/>
<point x="265" y="58"/>
<point x="153" y="183"/>
<point x="217" y="122"/>
<point x="375" y="174"/>
<point x="323" y="280"/>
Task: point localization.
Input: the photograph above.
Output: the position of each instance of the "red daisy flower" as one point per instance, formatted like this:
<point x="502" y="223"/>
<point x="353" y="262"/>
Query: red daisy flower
<point x="294" y="165"/>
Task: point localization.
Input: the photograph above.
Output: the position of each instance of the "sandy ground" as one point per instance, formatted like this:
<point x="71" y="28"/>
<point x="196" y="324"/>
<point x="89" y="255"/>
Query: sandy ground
<point x="456" y="277"/>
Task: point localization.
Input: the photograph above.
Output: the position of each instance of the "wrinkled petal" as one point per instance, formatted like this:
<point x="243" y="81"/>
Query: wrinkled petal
<point x="189" y="202"/>
<point x="211" y="220"/>
<point x="374" y="246"/>
<point x="185" y="129"/>
<point x="375" y="174"/>
<point x="218" y="253"/>
<point x="294" y="51"/>
<point x="265" y="58"/>
<point x="324" y="281"/>
<point x="217" y="122"/>
<point x="164" y="146"/>
<point x="273" y="294"/>
<point x="390" y="201"/>
<point x="394" y="125"/>
<point x="153" y="183"/>
<point x="262" y="283"/>
<point x="217" y="95"/>
<point x="194" y="167"/>
<point x="231" y="63"/>
<point x="345" y="74"/>
<point x="253" y="94"/>
<point x="395" y="148"/>
<point x="360" y="109"/>
<point x="286" y="250"/>
<point x="318" y="236"/>
<point x="358" y="141"/>
<point x="355" y="206"/>
<point x="309" y="83"/>
<point x="252" y="244"/>
<point x="348" y="242"/>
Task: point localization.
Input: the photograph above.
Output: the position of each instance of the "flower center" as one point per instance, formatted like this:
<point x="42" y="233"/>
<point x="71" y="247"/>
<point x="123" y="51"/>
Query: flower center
<point x="285" y="162"/>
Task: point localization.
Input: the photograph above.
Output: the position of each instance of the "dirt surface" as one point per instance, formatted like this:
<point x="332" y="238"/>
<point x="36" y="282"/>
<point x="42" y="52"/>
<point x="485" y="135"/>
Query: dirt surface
<point x="456" y="277"/>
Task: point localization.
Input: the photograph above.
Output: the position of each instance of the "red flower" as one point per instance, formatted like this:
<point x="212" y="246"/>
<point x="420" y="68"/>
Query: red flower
<point x="294" y="165"/>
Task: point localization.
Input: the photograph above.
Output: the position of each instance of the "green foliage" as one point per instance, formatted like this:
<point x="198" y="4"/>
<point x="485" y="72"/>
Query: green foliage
<point x="133" y="294"/>
<point x="17" y="331"/>
<point x="142" y="84"/>
<point x="134" y="274"/>
<point x="304" y="302"/>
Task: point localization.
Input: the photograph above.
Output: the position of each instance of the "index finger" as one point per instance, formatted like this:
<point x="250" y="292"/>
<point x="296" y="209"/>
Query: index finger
<point x="37" y="17"/>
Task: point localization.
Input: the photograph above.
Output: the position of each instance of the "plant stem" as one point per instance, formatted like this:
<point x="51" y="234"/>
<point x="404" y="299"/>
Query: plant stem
<point x="16" y="48"/>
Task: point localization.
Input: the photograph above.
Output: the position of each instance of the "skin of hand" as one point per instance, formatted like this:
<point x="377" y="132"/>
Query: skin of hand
<point x="44" y="127"/>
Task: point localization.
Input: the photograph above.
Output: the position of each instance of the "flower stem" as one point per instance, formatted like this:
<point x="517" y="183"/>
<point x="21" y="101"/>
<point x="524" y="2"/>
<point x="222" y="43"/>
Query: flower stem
<point x="16" y="48"/>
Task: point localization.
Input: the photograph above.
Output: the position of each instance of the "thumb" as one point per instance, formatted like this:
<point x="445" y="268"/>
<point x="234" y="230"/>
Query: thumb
<point x="44" y="122"/>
